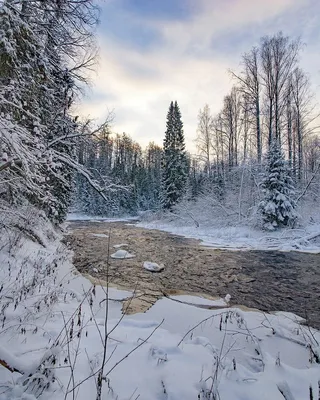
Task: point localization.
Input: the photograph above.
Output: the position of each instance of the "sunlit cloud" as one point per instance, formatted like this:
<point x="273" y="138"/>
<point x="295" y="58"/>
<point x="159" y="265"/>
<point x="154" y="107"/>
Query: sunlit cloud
<point x="182" y="51"/>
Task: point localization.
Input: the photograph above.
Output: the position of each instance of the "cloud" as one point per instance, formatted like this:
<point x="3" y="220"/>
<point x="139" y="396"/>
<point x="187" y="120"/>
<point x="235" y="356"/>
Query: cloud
<point x="183" y="53"/>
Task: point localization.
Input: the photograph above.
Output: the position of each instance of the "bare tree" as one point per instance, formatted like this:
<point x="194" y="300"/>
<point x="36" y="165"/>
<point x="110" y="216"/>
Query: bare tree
<point x="205" y="136"/>
<point x="278" y="59"/>
<point x="218" y="144"/>
<point x="231" y="115"/>
<point x="301" y="98"/>
<point x="250" y="86"/>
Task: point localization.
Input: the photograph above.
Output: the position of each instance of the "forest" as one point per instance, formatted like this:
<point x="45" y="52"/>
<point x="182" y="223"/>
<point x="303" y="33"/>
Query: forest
<point x="268" y="123"/>
<point x="96" y="307"/>
<point x="54" y="159"/>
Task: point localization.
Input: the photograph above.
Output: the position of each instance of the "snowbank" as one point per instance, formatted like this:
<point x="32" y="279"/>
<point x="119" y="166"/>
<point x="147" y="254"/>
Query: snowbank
<point x="244" y="237"/>
<point x="84" y="217"/>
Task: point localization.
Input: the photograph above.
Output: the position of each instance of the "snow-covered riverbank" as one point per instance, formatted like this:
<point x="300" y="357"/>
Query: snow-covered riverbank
<point x="243" y="237"/>
<point x="53" y="329"/>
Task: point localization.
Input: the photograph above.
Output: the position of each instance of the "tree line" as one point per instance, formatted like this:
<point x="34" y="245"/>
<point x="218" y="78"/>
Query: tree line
<point x="49" y="158"/>
<point x="137" y="180"/>
<point x="262" y="144"/>
<point x="271" y="99"/>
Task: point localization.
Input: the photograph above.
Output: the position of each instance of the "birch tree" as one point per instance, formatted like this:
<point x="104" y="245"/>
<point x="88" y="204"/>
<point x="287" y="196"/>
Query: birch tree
<point x="250" y="86"/>
<point x="279" y="56"/>
<point x="204" y="139"/>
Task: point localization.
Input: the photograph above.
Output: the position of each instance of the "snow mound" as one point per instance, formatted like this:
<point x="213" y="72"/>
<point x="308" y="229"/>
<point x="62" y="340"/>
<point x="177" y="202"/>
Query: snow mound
<point x="121" y="254"/>
<point x="200" y="301"/>
<point x="152" y="266"/>
<point x="118" y="246"/>
<point x="227" y="298"/>
<point x="84" y="217"/>
<point x="100" y="235"/>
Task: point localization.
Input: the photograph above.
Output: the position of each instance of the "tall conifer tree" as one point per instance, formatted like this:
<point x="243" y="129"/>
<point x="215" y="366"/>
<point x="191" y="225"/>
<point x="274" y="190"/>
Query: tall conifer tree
<point x="174" y="164"/>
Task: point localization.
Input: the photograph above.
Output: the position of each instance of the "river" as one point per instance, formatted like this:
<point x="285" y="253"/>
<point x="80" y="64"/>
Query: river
<point x="266" y="280"/>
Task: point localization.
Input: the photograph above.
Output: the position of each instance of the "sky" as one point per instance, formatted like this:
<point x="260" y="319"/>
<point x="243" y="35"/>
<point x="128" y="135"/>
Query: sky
<point x="154" y="51"/>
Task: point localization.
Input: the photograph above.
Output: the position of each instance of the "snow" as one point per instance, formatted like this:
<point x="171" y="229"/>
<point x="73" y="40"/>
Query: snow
<point x="84" y="217"/>
<point x="244" y="237"/>
<point x="175" y="350"/>
<point x="118" y="246"/>
<point x="100" y="235"/>
<point x="227" y="298"/>
<point x="152" y="266"/>
<point x="122" y="254"/>
<point x="196" y="300"/>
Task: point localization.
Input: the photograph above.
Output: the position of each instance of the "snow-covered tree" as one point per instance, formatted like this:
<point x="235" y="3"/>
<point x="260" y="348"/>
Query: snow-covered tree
<point x="278" y="206"/>
<point x="175" y="163"/>
<point x="152" y="187"/>
<point x="43" y="48"/>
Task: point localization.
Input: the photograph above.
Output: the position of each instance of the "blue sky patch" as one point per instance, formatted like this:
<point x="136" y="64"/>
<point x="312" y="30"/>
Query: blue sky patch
<point x="158" y="9"/>
<point x="120" y="26"/>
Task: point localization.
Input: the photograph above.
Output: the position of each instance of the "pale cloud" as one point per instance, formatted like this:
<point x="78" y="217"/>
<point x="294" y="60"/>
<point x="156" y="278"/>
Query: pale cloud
<point x="217" y="17"/>
<point x="187" y="64"/>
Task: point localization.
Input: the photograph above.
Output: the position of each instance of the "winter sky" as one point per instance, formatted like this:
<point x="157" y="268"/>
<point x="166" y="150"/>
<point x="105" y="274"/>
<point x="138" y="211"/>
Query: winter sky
<point x="155" y="51"/>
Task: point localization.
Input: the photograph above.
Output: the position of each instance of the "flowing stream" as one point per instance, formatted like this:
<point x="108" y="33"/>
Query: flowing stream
<point x="267" y="280"/>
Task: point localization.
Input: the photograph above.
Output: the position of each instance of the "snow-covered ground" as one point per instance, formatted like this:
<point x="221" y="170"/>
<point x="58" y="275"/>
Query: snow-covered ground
<point x="243" y="237"/>
<point x="53" y="325"/>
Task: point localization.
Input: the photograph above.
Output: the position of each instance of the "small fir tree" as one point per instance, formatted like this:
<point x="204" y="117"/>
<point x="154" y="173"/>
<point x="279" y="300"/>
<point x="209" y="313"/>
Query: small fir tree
<point x="278" y="206"/>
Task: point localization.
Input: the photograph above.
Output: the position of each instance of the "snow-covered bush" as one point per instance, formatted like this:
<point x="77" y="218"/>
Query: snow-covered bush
<point x="278" y="205"/>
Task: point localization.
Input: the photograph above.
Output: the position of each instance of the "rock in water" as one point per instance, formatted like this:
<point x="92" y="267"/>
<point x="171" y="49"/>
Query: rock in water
<point x="121" y="254"/>
<point x="152" y="266"/>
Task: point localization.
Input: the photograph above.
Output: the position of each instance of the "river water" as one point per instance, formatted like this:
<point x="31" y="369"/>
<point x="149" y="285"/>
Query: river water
<point x="267" y="280"/>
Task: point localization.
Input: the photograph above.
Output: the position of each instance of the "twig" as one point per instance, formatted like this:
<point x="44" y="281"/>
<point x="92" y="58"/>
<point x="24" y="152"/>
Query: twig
<point x="123" y="358"/>
<point x="309" y="183"/>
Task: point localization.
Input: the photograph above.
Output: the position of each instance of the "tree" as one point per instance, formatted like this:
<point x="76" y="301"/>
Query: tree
<point x="279" y="56"/>
<point x="44" y="48"/>
<point x="174" y="163"/>
<point x="153" y="156"/>
<point x="278" y="206"/>
<point x="231" y="114"/>
<point x="205" y="136"/>
<point x="250" y="86"/>
<point x="302" y="110"/>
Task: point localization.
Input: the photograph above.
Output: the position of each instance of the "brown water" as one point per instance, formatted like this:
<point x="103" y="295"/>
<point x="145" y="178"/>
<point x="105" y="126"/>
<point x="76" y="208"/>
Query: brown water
<point x="267" y="280"/>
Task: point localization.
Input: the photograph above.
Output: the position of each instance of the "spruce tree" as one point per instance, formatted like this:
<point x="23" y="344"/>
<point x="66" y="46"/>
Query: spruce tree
<point x="278" y="206"/>
<point x="39" y="41"/>
<point x="174" y="164"/>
